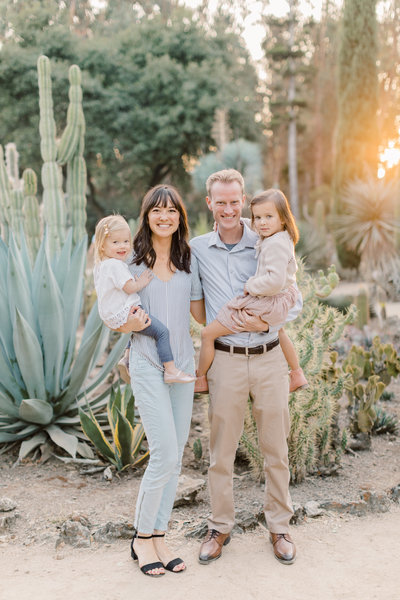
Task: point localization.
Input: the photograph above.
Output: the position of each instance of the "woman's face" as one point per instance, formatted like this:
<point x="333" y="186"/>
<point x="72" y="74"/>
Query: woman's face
<point x="163" y="220"/>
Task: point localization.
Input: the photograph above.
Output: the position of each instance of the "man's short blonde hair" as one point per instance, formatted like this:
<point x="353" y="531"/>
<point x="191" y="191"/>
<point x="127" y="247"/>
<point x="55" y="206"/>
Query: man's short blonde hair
<point x="224" y="176"/>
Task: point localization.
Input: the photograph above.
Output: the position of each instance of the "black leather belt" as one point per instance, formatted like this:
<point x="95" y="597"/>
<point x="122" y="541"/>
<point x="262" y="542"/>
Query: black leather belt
<point x="244" y="349"/>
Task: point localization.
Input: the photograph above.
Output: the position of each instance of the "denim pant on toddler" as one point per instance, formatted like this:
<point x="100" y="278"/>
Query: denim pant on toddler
<point x="165" y="411"/>
<point x="160" y="333"/>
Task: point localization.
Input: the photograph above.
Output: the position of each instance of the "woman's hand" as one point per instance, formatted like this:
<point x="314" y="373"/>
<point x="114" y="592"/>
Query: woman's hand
<point x="138" y="319"/>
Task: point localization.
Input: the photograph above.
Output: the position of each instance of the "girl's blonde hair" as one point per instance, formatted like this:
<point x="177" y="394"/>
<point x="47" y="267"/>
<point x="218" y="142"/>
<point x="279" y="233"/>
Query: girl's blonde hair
<point x="104" y="228"/>
<point x="282" y="206"/>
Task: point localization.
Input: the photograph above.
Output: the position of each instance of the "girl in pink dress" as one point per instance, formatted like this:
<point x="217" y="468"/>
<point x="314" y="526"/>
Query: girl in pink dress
<point x="270" y="293"/>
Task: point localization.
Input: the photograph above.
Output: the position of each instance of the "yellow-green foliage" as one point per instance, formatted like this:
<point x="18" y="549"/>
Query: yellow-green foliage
<point x="127" y="437"/>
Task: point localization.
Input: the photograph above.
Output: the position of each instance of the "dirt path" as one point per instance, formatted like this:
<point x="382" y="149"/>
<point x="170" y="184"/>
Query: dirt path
<point x="338" y="559"/>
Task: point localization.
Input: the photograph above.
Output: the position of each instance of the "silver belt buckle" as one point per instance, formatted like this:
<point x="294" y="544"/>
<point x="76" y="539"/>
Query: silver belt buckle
<point x="247" y="350"/>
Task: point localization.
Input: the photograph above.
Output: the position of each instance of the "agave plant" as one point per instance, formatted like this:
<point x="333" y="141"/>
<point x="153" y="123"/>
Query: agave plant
<point x="368" y="225"/>
<point x="127" y="436"/>
<point x="44" y="380"/>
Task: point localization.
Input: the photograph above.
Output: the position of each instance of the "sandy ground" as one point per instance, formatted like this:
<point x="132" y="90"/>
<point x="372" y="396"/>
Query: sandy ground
<point x="338" y="559"/>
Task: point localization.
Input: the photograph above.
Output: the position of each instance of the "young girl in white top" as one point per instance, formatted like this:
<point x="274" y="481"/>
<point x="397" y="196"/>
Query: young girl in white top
<point x="270" y="293"/>
<point x="117" y="291"/>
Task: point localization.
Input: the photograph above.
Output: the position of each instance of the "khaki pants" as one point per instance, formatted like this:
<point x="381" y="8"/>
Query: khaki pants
<point x="231" y="378"/>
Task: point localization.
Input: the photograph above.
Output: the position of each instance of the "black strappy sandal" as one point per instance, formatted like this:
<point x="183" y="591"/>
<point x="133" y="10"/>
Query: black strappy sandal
<point x="150" y="566"/>
<point x="174" y="562"/>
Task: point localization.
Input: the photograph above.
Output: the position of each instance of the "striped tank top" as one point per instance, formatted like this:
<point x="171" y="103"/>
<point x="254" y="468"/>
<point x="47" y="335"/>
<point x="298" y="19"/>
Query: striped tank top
<point x="168" y="301"/>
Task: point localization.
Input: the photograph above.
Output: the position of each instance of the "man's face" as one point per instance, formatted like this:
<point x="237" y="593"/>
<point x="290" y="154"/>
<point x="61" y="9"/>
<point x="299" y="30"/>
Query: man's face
<point x="226" y="202"/>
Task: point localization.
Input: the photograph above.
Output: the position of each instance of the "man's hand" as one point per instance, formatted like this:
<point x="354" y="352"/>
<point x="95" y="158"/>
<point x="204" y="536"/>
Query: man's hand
<point x="250" y="323"/>
<point x="138" y="319"/>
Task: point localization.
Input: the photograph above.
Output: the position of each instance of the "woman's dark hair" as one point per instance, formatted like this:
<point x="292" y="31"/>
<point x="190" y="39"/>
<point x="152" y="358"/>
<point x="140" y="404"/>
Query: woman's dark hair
<point x="161" y="195"/>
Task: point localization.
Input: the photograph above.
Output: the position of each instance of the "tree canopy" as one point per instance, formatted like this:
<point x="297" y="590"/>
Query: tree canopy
<point x="151" y="87"/>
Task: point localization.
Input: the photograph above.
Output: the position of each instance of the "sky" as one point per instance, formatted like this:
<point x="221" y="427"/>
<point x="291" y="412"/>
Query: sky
<point x="253" y="31"/>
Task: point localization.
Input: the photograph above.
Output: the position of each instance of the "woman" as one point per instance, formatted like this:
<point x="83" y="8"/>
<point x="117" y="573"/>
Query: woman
<point x="161" y="245"/>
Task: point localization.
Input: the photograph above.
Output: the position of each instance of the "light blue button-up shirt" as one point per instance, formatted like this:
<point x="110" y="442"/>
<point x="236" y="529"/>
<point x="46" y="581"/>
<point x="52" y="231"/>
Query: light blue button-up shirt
<point x="218" y="275"/>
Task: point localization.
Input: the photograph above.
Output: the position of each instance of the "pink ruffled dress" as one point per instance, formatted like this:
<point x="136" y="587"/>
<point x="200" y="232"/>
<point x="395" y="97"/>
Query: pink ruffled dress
<point x="271" y="291"/>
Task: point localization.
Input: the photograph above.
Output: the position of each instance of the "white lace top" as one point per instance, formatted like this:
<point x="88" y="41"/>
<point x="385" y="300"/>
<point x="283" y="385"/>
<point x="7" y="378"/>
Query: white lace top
<point x="110" y="276"/>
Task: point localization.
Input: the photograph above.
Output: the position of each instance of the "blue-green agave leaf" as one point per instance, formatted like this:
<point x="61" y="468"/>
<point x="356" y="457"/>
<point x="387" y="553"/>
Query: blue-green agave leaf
<point x="20" y="435"/>
<point x="28" y="445"/>
<point x="49" y="308"/>
<point x="19" y="290"/>
<point x="29" y="356"/>
<point x="7" y="406"/>
<point x="109" y="363"/>
<point x="66" y="441"/>
<point x="8" y="380"/>
<point x="61" y="262"/>
<point x="35" y="410"/>
<point x="72" y="292"/>
<point x="80" y="369"/>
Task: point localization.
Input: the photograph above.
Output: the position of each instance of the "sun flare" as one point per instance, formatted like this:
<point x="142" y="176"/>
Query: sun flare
<point x="388" y="158"/>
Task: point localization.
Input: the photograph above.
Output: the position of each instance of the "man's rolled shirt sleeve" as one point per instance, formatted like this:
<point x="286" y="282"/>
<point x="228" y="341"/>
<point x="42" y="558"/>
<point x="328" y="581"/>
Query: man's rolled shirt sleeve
<point x="197" y="288"/>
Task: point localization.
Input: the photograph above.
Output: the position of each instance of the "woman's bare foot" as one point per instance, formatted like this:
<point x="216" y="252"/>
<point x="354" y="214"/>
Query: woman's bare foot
<point x="146" y="553"/>
<point x="165" y="554"/>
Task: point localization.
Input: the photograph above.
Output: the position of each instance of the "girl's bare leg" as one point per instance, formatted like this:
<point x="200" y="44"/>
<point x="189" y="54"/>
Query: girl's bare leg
<point x="288" y="350"/>
<point x="208" y="335"/>
<point x="296" y="375"/>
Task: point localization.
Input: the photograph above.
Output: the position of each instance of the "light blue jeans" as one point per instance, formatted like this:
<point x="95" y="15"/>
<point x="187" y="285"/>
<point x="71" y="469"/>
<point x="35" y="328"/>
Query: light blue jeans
<point x="165" y="411"/>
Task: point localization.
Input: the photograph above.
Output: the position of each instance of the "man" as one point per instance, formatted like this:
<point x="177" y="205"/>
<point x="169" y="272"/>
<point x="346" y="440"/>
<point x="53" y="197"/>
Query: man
<point x="245" y="364"/>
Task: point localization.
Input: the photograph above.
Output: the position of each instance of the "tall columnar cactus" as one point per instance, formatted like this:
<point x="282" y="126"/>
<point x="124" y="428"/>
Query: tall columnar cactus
<point x="76" y="170"/>
<point x="12" y="165"/>
<point x="5" y="197"/>
<point x="53" y="197"/>
<point x="362" y="303"/>
<point x="31" y="212"/>
<point x="70" y="151"/>
<point x="16" y="186"/>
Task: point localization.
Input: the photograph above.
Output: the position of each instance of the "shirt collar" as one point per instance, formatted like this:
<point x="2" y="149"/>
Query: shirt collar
<point x="247" y="240"/>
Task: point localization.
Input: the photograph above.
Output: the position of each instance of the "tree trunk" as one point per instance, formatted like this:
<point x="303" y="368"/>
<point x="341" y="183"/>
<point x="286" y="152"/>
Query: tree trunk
<point x="292" y="130"/>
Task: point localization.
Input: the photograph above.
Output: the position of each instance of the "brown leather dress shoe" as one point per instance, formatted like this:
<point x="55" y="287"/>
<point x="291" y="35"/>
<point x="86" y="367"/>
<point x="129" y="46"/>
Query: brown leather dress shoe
<point x="211" y="548"/>
<point x="284" y="548"/>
